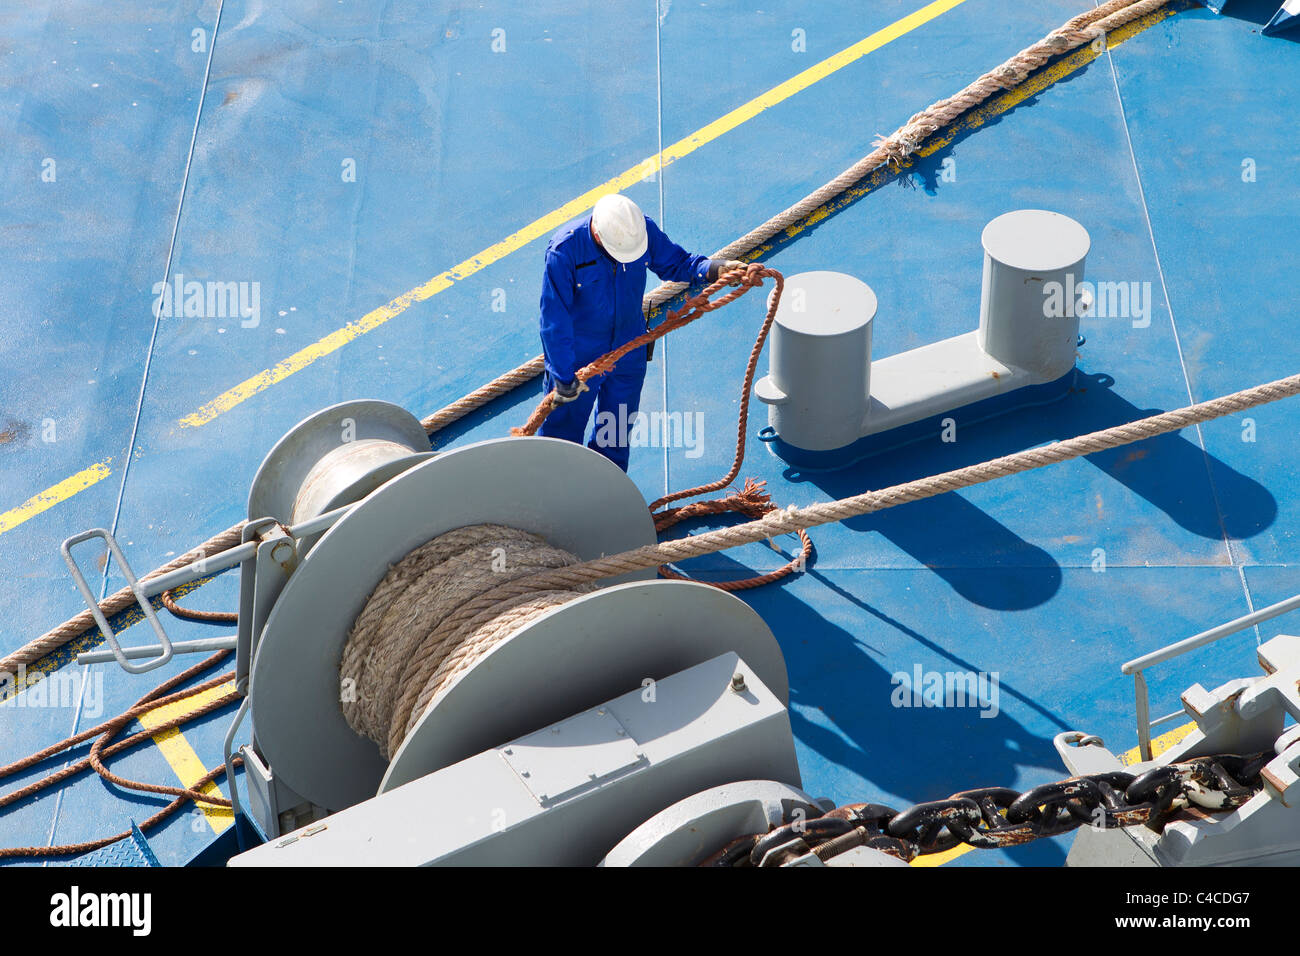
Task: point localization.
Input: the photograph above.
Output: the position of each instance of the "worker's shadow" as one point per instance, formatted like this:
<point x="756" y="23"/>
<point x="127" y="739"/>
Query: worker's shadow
<point x="948" y="534"/>
<point x="842" y="708"/>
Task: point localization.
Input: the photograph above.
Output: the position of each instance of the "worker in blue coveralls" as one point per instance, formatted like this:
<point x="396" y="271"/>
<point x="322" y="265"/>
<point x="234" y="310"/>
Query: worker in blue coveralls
<point x="591" y="304"/>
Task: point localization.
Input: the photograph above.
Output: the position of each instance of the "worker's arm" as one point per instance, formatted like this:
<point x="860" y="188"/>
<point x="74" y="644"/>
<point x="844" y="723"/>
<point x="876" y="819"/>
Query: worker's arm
<point x="557" y="316"/>
<point x="670" y="261"/>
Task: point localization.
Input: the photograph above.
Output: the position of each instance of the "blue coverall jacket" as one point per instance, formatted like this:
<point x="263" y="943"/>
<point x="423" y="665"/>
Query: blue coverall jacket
<point x="591" y="304"/>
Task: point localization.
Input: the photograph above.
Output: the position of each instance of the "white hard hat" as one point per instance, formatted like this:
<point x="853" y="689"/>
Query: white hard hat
<point x="620" y="225"/>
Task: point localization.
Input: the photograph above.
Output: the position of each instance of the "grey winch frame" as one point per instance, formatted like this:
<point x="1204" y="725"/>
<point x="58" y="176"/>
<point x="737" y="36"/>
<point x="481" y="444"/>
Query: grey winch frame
<point x="350" y="491"/>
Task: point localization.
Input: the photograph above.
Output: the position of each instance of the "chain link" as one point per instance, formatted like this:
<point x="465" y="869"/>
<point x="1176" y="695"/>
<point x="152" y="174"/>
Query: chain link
<point x="997" y="817"/>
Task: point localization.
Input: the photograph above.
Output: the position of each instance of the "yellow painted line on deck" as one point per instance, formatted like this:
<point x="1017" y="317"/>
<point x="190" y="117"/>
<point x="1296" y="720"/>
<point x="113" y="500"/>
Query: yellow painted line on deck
<point x="498" y="251"/>
<point x="558" y="217"/>
<point x="172" y="743"/>
<point x="178" y="752"/>
<point x="51" y="496"/>
<point x="340" y="337"/>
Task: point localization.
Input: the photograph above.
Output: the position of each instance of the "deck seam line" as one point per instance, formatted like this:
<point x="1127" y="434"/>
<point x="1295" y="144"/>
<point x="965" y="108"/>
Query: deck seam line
<point x="167" y="268"/>
<point x="144" y="382"/>
<point x="1250" y="603"/>
<point x="1169" y="305"/>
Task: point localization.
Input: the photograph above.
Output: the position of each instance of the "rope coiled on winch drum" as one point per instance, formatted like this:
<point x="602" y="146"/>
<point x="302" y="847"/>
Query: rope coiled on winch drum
<point x="407" y="644"/>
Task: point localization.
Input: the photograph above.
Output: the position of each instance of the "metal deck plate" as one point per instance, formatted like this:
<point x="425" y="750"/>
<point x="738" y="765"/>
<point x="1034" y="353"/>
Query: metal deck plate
<point x="597" y="748"/>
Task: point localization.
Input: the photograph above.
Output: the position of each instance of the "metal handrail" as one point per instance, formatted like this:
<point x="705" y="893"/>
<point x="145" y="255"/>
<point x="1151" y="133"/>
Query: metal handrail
<point x="158" y="654"/>
<point x="164" y="646"/>
<point x="1140" y="664"/>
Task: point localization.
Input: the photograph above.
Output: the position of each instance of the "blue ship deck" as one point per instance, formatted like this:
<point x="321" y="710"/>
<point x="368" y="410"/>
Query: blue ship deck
<point x="466" y="159"/>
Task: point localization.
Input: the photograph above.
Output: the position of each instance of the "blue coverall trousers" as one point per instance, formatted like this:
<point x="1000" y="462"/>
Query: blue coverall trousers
<point x="617" y="394"/>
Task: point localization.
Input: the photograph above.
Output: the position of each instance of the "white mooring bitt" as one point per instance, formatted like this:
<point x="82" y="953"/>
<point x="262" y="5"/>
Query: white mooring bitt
<point x="828" y="403"/>
<point x="1031" y="257"/>
<point x="819" y="386"/>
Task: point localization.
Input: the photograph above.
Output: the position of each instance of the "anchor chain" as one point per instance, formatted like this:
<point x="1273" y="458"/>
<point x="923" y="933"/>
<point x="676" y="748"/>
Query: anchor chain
<point x="993" y="818"/>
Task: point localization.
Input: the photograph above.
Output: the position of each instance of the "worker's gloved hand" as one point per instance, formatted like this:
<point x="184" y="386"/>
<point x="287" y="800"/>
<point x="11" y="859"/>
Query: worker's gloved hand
<point x="718" y="266"/>
<point x="566" y="392"/>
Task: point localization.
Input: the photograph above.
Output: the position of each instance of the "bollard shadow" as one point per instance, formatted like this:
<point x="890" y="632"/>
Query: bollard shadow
<point x="947" y="534"/>
<point x="917" y="753"/>
<point x="1200" y="492"/>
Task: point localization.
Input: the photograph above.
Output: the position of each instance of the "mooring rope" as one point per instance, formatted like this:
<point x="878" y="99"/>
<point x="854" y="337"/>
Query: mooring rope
<point x="792" y="519"/>
<point x="438" y="611"/>
<point x="115" y="603"/>
<point x="448" y="603"/>
<point x="891" y="151"/>
<point x="470" y="611"/>
<point x="750" y="501"/>
<point x="106" y="746"/>
<point x="398" y="647"/>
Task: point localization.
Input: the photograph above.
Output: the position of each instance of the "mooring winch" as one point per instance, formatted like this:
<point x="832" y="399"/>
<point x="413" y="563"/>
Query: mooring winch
<point x="614" y="702"/>
<point x="643" y="721"/>
<point x="411" y="703"/>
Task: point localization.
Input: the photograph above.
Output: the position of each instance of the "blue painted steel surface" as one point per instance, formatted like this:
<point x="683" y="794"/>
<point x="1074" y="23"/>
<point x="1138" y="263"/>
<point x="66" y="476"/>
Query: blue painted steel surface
<point x="349" y="152"/>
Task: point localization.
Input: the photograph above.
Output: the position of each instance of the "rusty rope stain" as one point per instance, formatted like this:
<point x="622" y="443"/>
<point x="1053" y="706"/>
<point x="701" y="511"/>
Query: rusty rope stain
<point x="105" y="735"/>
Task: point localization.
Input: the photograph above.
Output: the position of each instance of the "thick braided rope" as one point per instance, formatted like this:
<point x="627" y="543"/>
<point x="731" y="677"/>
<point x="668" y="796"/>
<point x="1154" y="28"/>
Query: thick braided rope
<point x="787" y="520"/>
<point x="501" y="385"/>
<point x="402" y="651"/>
<point x="892" y="150"/>
<point x="480" y="635"/>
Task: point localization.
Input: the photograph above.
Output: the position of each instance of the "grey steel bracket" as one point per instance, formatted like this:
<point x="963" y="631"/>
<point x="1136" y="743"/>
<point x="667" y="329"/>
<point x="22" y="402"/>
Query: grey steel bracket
<point x="267" y="545"/>
<point x="262" y="577"/>
<point x="164" y="643"/>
